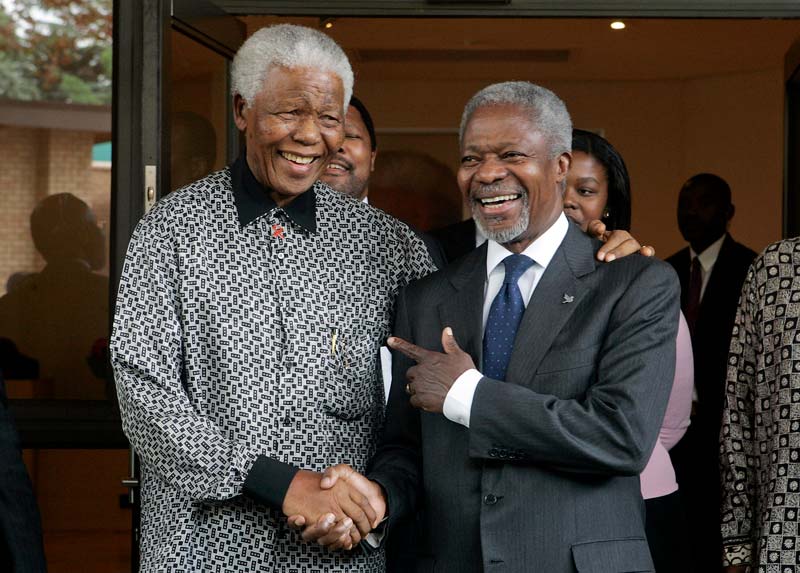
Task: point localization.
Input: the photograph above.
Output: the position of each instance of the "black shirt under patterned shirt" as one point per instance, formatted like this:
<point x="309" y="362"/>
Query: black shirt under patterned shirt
<point x="761" y="418"/>
<point x="245" y="346"/>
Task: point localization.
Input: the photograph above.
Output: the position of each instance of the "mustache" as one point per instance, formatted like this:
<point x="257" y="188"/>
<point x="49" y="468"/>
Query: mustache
<point x="341" y="160"/>
<point x="482" y="190"/>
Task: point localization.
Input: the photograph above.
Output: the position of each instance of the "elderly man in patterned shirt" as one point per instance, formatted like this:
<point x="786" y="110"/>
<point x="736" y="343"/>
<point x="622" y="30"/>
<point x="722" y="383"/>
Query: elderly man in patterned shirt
<point x="250" y="313"/>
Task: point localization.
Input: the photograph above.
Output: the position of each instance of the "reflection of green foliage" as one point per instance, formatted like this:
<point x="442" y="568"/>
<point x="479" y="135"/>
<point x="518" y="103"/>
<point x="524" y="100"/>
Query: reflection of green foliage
<point x="16" y="79"/>
<point x="75" y="90"/>
<point x="56" y="50"/>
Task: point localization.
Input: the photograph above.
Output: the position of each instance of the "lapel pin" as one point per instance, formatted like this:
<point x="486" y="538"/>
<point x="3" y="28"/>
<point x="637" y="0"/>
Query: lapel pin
<point x="568" y="298"/>
<point x="277" y="231"/>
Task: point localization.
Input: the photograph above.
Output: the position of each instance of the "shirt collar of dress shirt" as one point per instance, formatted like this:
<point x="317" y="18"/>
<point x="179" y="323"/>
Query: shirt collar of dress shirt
<point x="708" y="257"/>
<point x="252" y="199"/>
<point x="541" y="250"/>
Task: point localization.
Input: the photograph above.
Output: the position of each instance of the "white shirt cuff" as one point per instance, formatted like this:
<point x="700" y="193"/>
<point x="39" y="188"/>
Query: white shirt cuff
<point x="375" y="537"/>
<point x="458" y="402"/>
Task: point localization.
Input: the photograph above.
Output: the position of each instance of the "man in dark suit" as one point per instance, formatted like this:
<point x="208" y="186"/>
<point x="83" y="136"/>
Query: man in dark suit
<point x="21" y="548"/>
<point x="711" y="270"/>
<point x="533" y="462"/>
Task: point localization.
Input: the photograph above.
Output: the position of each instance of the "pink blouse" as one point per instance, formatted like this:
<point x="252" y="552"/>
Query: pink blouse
<point x="658" y="478"/>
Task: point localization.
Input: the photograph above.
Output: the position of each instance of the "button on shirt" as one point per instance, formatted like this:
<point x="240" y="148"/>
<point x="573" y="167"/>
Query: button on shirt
<point x="458" y="402"/>
<point x="245" y="346"/>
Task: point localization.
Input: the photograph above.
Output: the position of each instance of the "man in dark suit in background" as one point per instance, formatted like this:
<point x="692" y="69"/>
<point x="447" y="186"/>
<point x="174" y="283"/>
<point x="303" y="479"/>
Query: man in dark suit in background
<point x="533" y="462"/>
<point x="458" y="239"/>
<point x="711" y="271"/>
<point x="21" y="549"/>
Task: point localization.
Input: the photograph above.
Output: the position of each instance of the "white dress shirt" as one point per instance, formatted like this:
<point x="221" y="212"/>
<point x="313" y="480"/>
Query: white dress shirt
<point x="708" y="259"/>
<point x="458" y="402"/>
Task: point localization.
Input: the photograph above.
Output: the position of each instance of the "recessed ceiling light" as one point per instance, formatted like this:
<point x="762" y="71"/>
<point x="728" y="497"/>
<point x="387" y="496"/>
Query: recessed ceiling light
<point x="618" y="25"/>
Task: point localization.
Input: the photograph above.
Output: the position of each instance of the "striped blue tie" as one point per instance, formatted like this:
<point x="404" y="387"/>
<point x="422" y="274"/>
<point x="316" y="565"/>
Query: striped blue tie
<point x="505" y="315"/>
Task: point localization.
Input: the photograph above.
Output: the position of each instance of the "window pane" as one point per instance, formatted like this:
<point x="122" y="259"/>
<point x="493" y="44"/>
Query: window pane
<point x="199" y="111"/>
<point x="55" y="68"/>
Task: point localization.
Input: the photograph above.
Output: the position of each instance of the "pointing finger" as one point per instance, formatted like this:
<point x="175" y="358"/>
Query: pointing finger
<point x="413" y="351"/>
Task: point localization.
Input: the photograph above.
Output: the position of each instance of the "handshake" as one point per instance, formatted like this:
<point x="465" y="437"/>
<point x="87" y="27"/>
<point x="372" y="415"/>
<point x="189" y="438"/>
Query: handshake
<point x="337" y="509"/>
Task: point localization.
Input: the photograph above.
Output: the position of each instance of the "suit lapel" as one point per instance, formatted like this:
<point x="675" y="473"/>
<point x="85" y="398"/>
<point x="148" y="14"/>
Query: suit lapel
<point x="463" y="311"/>
<point x="718" y="281"/>
<point x="556" y="297"/>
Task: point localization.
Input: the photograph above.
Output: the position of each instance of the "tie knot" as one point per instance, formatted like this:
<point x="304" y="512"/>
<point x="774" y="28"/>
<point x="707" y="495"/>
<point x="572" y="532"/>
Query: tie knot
<point x="516" y="265"/>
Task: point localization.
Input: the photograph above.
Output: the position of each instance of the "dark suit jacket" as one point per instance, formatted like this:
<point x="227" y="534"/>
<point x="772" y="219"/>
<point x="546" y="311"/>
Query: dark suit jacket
<point x="546" y="477"/>
<point x="456" y="240"/>
<point x="435" y="249"/>
<point x="712" y="334"/>
<point x="21" y="548"/>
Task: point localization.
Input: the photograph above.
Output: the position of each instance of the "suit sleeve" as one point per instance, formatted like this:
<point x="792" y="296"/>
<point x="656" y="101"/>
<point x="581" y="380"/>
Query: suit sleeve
<point x="612" y="429"/>
<point x="21" y="548"/>
<point x="184" y="448"/>
<point x="397" y="464"/>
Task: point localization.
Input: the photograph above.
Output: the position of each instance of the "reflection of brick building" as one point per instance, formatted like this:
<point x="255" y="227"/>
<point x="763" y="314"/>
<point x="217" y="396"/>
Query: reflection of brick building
<point x="46" y="148"/>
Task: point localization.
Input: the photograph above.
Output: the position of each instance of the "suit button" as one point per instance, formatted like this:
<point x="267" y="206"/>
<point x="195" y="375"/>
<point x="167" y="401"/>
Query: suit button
<point x="490" y="499"/>
<point x="493" y="453"/>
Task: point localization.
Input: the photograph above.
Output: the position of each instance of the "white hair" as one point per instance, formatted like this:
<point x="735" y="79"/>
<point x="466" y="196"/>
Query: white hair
<point x="547" y="111"/>
<point x="287" y="46"/>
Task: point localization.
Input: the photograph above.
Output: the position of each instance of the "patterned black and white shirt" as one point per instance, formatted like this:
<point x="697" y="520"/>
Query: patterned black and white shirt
<point x="760" y="451"/>
<point x="245" y="346"/>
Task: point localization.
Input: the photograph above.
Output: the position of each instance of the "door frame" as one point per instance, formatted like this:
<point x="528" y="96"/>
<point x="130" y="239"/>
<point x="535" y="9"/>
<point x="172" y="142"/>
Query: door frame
<point x="518" y="8"/>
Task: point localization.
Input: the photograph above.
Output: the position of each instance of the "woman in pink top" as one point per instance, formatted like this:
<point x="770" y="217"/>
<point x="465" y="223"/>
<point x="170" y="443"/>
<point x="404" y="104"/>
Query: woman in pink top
<point x="598" y="187"/>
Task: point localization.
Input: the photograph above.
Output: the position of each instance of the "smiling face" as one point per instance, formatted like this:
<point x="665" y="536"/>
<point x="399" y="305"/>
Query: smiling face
<point x="507" y="173"/>
<point x="587" y="189"/>
<point x="292" y="129"/>
<point x="349" y="170"/>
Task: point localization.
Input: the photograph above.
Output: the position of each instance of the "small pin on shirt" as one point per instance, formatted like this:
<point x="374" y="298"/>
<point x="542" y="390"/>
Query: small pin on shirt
<point x="568" y="298"/>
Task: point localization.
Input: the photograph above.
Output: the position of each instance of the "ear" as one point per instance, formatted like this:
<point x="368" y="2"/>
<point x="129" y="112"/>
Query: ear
<point x="731" y="212"/>
<point x="239" y="116"/>
<point x="372" y="157"/>
<point x="563" y="162"/>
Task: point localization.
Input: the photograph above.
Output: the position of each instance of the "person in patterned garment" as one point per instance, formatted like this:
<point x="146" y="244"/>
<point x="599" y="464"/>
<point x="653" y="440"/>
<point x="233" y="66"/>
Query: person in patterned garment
<point x="249" y="316"/>
<point x="760" y="438"/>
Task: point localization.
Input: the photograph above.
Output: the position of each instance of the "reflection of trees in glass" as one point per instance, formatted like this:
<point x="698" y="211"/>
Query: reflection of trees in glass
<point x="57" y="50"/>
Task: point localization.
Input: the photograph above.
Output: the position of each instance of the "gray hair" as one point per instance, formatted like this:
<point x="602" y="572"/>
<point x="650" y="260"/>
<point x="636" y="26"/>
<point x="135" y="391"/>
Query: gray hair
<point x="546" y="109"/>
<point x="287" y="46"/>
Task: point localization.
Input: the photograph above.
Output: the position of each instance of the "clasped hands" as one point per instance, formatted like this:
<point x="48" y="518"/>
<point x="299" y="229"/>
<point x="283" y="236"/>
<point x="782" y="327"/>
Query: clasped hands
<point x="338" y="508"/>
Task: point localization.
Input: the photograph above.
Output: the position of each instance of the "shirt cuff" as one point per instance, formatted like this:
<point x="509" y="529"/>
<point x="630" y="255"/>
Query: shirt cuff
<point x="374" y="538"/>
<point x="268" y="481"/>
<point x="458" y="402"/>
<point x="737" y="554"/>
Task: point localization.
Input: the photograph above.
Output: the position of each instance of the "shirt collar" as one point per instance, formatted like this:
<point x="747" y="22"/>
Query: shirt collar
<point x="542" y="250"/>
<point x="252" y="199"/>
<point x="710" y="255"/>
